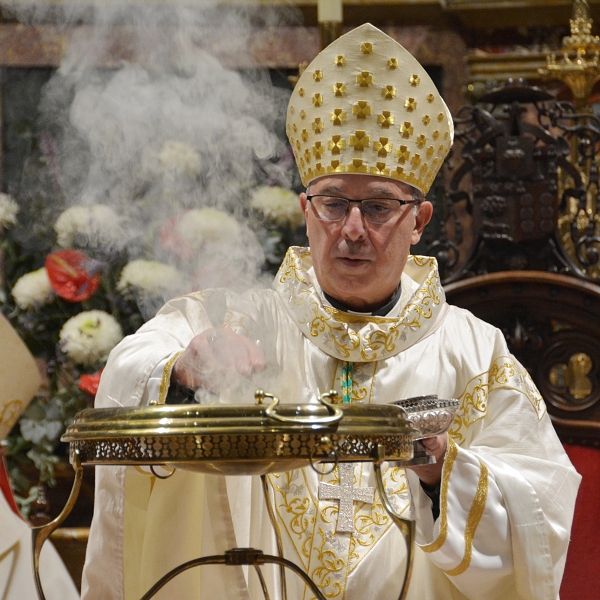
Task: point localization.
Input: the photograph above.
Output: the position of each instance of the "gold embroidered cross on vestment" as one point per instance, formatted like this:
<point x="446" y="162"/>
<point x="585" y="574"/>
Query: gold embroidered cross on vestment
<point x="347" y="494"/>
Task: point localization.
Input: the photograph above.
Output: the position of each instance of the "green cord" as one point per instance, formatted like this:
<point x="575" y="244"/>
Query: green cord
<point x="347" y="370"/>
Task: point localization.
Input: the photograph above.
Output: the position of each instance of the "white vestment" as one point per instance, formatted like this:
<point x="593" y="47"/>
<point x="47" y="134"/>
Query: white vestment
<point x="16" y="563"/>
<point x="507" y="494"/>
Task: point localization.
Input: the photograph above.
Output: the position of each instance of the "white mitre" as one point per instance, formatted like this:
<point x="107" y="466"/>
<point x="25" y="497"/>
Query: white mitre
<point x="366" y="105"/>
<point x="19" y="377"/>
<point x="19" y="381"/>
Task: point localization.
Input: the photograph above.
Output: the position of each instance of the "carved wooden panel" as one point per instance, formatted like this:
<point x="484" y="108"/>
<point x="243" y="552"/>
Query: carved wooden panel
<point x="552" y="325"/>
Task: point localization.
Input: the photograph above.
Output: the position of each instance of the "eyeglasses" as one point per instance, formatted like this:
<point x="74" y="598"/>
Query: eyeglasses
<point x="374" y="210"/>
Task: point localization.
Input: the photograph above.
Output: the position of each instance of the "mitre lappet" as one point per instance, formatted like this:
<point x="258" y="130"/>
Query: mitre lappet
<point x="366" y="105"/>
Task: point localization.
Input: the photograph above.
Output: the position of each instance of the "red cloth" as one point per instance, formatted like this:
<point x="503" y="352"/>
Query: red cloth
<point x="5" y="486"/>
<point x="582" y="573"/>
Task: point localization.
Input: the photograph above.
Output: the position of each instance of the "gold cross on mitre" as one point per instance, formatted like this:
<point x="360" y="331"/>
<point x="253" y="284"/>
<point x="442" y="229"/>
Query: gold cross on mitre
<point x="347" y="494"/>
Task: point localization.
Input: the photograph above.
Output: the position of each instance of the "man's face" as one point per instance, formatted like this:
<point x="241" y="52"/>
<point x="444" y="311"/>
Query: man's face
<point x="356" y="262"/>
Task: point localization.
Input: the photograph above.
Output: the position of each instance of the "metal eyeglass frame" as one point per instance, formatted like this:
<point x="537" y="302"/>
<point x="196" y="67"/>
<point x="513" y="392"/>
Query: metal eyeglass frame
<point x="350" y="201"/>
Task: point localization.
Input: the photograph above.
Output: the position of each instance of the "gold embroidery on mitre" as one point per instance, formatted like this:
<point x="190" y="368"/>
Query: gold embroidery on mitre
<point x="388" y="92"/>
<point x="357" y="166"/>
<point x="318" y="150"/>
<point x="337" y="117"/>
<point x="380" y="169"/>
<point x="365" y="79"/>
<point x="318" y="125"/>
<point x="361" y="109"/>
<point x="382" y="147"/>
<point x="359" y="140"/>
<point x="410" y="104"/>
<point x="402" y="154"/>
<point x="406" y="129"/>
<point x="390" y="77"/>
<point x="307" y="156"/>
<point x="385" y="119"/>
<point x="336" y="167"/>
<point x="319" y="170"/>
<point x="421" y="141"/>
<point x="304" y="135"/>
<point x="339" y="89"/>
<point x="398" y="173"/>
<point x="303" y="114"/>
<point x="336" y="144"/>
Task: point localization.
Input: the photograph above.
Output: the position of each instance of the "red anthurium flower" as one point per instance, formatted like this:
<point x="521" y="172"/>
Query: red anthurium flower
<point x="90" y="383"/>
<point x="72" y="275"/>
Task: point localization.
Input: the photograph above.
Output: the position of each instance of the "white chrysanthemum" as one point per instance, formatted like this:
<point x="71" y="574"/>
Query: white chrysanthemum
<point x="207" y="225"/>
<point x="33" y="289"/>
<point x="149" y="276"/>
<point x="180" y="159"/>
<point x="8" y="211"/>
<point x="278" y="205"/>
<point x="96" y="224"/>
<point x="88" y="338"/>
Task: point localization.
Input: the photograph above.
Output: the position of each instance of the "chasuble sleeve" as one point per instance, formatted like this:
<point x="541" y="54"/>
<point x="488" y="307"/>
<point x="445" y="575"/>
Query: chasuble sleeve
<point x="508" y="490"/>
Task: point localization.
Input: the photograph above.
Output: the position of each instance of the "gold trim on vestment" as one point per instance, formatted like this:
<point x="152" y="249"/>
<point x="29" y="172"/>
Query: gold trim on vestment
<point x="345" y="317"/>
<point x="473" y="519"/>
<point x="357" y="338"/>
<point x="504" y="373"/>
<point x="451" y="454"/>
<point x="165" y="382"/>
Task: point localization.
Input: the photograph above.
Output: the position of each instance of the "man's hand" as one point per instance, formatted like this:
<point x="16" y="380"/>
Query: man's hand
<point x="216" y="354"/>
<point x="432" y="474"/>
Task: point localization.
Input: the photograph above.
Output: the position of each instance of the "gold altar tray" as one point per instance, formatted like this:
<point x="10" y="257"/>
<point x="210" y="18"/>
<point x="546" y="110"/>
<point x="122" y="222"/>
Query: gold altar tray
<point x="241" y="439"/>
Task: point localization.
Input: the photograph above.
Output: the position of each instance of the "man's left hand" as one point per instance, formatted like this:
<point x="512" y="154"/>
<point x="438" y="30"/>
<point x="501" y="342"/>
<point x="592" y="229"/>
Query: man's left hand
<point x="432" y="474"/>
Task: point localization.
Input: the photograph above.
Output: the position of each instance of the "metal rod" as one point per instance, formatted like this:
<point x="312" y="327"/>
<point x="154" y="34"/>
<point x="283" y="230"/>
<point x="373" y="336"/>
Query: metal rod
<point x="406" y="526"/>
<point x="235" y="557"/>
<point x="277" y="530"/>
<point x="263" y="583"/>
<point x="41" y="533"/>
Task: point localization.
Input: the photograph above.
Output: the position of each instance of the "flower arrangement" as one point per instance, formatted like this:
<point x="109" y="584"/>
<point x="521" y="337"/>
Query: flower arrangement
<point x="67" y="306"/>
<point x="74" y="297"/>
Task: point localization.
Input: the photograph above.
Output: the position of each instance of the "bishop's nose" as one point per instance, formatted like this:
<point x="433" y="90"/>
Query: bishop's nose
<point x="353" y="227"/>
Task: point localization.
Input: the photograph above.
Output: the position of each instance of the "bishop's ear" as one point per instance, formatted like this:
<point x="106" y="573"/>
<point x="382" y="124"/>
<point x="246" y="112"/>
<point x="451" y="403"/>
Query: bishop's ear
<point x="423" y="216"/>
<point x="303" y="202"/>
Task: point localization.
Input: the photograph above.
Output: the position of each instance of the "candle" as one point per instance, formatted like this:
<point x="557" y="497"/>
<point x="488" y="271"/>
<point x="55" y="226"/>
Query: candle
<point x="329" y="10"/>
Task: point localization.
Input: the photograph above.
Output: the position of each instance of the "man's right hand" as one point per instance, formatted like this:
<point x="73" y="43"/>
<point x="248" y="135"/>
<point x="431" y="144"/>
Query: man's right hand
<point x="215" y="355"/>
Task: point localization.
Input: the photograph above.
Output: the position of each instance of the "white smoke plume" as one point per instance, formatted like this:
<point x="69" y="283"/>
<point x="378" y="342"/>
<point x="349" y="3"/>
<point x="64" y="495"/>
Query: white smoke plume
<point x="146" y="121"/>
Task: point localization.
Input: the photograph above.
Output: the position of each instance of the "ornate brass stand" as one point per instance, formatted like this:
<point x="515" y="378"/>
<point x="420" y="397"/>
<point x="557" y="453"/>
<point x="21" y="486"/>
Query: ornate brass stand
<point x="254" y="440"/>
<point x="40" y="534"/>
